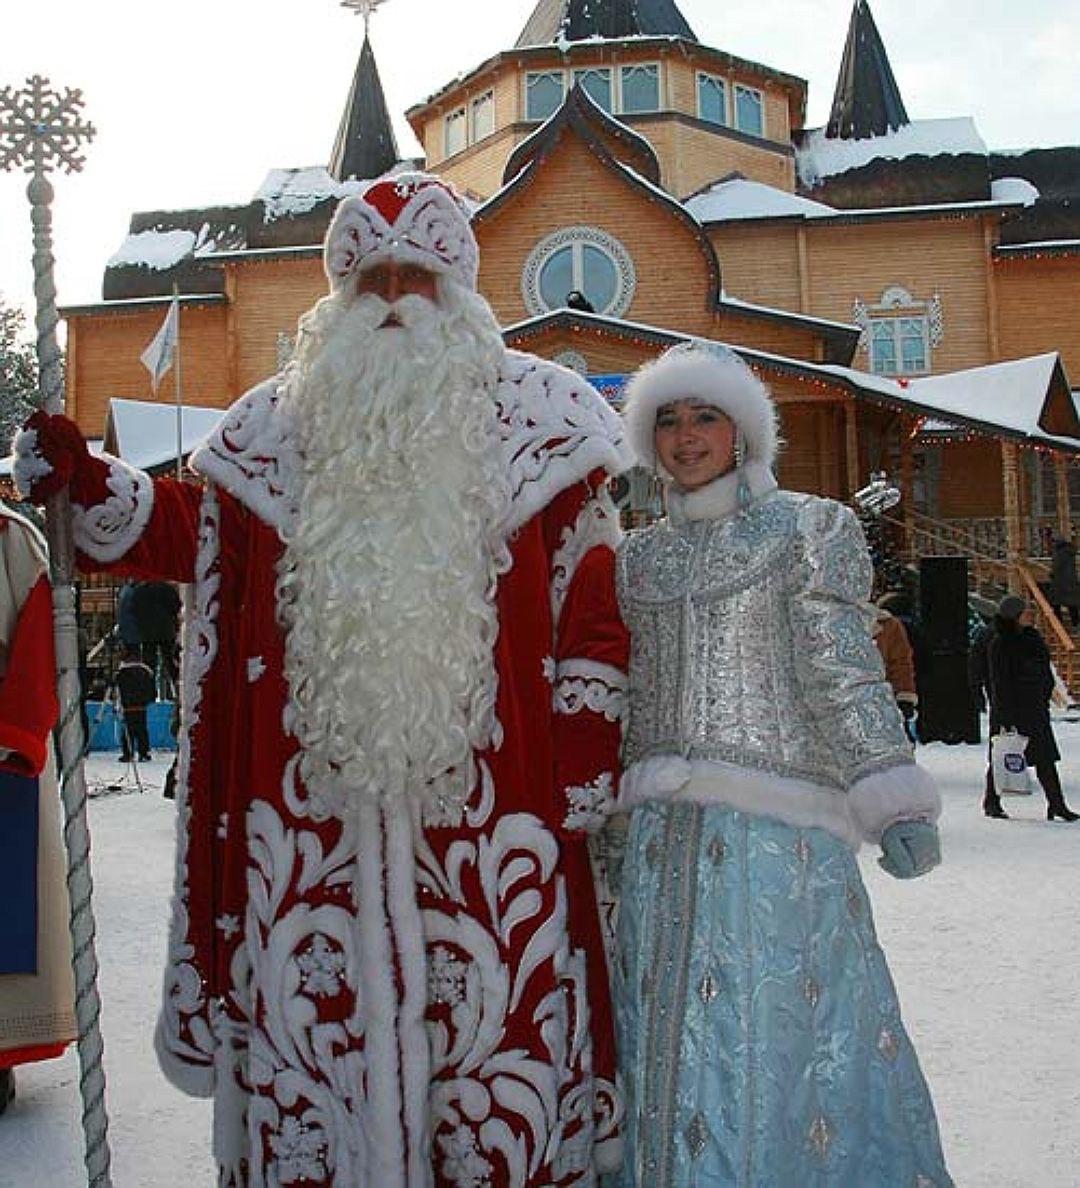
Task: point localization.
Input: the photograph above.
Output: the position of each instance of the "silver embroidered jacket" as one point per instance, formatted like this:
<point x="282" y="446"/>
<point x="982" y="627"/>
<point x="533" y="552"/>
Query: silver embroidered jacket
<point x="751" y="645"/>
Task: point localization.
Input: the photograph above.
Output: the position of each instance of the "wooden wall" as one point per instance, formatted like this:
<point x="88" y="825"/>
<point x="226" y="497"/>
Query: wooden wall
<point x="268" y="299"/>
<point x="1039" y="309"/>
<point x="103" y="361"/>
<point x="672" y="285"/>
<point x="845" y="262"/>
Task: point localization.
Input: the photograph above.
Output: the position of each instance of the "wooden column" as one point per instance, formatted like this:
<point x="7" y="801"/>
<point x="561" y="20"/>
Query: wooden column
<point x="1010" y="469"/>
<point x="851" y="446"/>
<point x="905" y="428"/>
<point x="232" y="344"/>
<point x="1061" y="481"/>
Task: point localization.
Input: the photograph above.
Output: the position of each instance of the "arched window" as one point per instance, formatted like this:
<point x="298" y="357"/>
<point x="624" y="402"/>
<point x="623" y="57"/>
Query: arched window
<point x="582" y="259"/>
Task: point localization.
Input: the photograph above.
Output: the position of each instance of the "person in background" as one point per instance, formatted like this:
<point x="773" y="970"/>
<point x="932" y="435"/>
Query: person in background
<point x="898" y="656"/>
<point x="37" y="988"/>
<point x="137" y="689"/>
<point x="1063" y="589"/>
<point x="760" y="1038"/>
<point x="1010" y="664"/>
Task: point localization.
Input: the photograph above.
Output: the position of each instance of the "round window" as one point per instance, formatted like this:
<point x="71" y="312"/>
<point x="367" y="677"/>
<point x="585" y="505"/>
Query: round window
<point x="579" y="268"/>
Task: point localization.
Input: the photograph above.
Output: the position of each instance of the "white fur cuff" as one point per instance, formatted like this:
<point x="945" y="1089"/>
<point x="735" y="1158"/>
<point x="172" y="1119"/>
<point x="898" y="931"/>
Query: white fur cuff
<point x="653" y="779"/>
<point x="878" y="800"/>
<point x="108" y="530"/>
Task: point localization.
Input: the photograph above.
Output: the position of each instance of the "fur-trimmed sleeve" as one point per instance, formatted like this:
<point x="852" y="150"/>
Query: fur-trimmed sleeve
<point x="591" y="654"/>
<point x="842" y="675"/>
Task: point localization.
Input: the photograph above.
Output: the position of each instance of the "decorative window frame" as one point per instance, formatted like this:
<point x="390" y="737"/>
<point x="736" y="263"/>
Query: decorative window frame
<point x="569" y="237"/>
<point x="639" y="67"/>
<point x="579" y="72"/>
<point x="897" y="303"/>
<point x="455" y="132"/>
<point x="738" y="91"/>
<point x="526" y="82"/>
<point x="482" y="116"/>
<point x="616" y="76"/>
<point x="704" y="77"/>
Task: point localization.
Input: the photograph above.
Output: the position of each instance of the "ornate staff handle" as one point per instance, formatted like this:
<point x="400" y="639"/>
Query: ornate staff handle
<point x="38" y="126"/>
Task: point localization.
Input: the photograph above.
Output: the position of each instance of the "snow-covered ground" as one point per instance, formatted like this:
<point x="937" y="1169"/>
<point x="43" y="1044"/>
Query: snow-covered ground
<point x="986" y="953"/>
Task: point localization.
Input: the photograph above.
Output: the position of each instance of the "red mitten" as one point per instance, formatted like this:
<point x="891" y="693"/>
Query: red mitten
<point x="50" y="453"/>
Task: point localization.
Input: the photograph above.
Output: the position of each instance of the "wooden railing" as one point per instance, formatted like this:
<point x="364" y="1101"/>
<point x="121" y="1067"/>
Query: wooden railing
<point x="989" y="573"/>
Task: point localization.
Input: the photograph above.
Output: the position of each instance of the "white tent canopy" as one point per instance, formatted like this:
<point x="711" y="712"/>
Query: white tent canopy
<point x="144" y="434"/>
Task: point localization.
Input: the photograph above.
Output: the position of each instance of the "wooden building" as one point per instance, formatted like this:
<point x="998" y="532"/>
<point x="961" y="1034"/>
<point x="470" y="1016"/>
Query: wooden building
<point x="612" y="152"/>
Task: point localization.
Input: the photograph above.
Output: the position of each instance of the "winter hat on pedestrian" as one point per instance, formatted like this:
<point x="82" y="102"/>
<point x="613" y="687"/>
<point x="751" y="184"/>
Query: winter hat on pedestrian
<point x="411" y="218"/>
<point x="1011" y="607"/>
<point x="713" y="374"/>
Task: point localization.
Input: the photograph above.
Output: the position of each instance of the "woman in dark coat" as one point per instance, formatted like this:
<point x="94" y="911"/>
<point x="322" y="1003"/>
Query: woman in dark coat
<point x="1020" y="682"/>
<point x="1064" y="588"/>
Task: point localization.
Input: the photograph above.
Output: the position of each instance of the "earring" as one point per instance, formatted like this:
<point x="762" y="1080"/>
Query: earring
<point x="740" y="448"/>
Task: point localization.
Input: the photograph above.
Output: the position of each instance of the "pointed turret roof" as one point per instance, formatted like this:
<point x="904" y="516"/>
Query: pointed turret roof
<point x="578" y="20"/>
<point x="867" y="100"/>
<point x="365" y="145"/>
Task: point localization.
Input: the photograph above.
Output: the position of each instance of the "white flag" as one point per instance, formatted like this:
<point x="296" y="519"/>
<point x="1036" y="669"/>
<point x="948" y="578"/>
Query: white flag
<point x="158" y="356"/>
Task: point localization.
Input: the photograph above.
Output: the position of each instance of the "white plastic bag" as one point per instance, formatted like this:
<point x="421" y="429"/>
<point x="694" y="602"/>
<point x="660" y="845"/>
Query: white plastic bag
<point x="1010" y="766"/>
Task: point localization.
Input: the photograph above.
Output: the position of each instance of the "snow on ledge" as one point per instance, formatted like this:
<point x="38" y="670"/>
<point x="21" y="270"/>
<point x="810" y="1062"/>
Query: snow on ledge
<point x="740" y="198"/>
<point x="819" y="156"/>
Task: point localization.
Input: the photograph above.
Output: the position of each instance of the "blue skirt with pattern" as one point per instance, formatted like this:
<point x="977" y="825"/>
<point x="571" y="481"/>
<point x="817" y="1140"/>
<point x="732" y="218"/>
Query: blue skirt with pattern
<point x="759" y="1030"/>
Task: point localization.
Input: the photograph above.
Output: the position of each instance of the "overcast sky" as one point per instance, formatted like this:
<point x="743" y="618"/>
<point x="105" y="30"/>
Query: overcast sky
<point x="195" y="103"/>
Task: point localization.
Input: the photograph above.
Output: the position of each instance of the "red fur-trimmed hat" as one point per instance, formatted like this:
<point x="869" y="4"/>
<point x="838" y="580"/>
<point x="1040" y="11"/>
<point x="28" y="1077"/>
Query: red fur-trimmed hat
<point x="410" y="217"/>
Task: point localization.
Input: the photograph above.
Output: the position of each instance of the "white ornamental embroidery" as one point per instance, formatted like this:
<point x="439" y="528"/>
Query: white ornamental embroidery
<point x="256" y="667"/>
<point x="446" y="977"/>
<point x="300" y="1152"/>
<point x="589" y="803"/>
<point x="228" y="926"/>
<point x="322" y="967"/>
<point x="588" y="685"/>
<point x="463" y="1164"/>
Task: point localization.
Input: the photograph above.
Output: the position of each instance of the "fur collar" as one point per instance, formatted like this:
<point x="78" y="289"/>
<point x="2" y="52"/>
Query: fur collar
<point x="556" y="429"/>
<point x="720" y="498"/>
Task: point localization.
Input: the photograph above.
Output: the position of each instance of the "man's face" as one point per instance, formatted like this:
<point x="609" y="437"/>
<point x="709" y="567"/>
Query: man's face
<point x="392" y="280"/>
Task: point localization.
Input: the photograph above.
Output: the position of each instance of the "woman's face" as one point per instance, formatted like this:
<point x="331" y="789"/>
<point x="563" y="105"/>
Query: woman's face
<point x="695" y="442"/>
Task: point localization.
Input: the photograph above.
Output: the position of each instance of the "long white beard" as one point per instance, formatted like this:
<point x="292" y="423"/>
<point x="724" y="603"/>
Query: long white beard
<point x="386" y="586"/>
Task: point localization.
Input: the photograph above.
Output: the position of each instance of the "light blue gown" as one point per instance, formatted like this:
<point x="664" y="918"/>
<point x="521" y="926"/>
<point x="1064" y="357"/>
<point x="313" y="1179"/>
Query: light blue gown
<point x="758" y="1026"/>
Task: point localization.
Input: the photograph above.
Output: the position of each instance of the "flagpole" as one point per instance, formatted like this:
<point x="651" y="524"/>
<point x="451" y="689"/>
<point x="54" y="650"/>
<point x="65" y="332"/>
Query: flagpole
<point x="179" y="396"/>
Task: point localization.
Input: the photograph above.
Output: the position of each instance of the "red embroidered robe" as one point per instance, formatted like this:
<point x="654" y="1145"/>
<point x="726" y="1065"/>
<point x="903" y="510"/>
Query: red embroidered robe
<point x="37" y="1014"/>
<point x="451" y="1025"/>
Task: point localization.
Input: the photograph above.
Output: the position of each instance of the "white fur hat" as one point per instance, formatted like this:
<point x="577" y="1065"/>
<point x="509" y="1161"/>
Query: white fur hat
<point x="713" y="374"/>
<point x="408" y="217"/>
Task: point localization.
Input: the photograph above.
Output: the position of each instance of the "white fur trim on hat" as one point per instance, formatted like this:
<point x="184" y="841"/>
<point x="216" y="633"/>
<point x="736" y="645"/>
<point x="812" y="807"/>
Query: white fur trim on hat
<point x="712" y="374"/>
<point x="411" y="218"/>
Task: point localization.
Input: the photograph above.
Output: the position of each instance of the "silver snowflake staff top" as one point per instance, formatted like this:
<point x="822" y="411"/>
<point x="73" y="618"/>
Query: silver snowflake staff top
<point x="41" y="128"/>
<point x="363" y="8"/>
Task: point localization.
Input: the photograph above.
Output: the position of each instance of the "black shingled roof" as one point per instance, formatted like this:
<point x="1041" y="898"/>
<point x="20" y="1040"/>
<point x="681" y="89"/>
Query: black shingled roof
<point x="867" y="101"/>
<point x="365" y="145"/>
<point x="578" y="20"/>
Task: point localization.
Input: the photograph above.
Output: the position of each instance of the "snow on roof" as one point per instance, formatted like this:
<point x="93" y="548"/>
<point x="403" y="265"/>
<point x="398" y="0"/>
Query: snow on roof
<point x="154" y="249"/>
<point x="144" y="433"/>
<point x="739" y="198"/>
<point x="820" y="156"/>
<point x="1013" y="189"/>
<point x="288" y="192"/>
<point x="1009" y="396"/>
